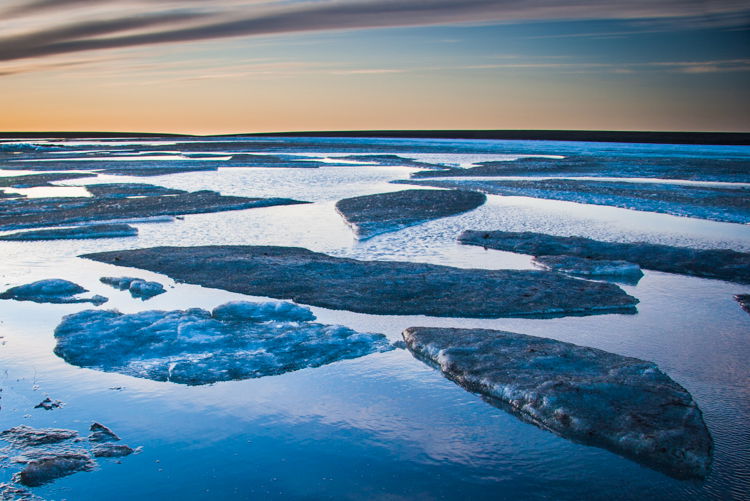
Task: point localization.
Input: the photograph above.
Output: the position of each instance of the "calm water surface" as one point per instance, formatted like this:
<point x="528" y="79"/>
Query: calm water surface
<point x="384" y="426"/>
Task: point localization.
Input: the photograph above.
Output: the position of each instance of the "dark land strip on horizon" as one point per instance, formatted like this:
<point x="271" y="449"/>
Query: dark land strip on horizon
<point x="708" y="138"/>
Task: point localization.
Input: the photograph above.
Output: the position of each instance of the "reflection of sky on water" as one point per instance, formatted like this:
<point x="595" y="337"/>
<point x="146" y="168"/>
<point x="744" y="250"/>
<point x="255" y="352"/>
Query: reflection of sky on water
<point x="383" y="426"/>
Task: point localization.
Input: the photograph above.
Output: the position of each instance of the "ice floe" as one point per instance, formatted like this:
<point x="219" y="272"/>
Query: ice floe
<point x="379" y="287"/>
<point x="194" y="347"/>
<point x="41" y="212"/>
<point x="724" y="264"/>
<point x="76" y="233"/>
<point x="53" y="290"/>
<point x="50" y="453"/>
<point x="371" y="215"/>
<point x="727" y="204"/>
<point x="587" y="267"/>
<point x="588" y="395"/>
<point x="139" y="288"/>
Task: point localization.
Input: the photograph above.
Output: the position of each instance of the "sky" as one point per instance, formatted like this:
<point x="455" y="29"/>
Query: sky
<point x="233" y="66"/>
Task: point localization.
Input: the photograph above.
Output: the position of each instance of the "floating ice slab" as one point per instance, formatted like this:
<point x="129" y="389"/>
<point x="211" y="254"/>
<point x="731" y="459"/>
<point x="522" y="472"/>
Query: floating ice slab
<point x="371" y="215"/>
<point x="591" y="396"/>
<point x="124" y="190"/>
<point x="26" y="436"/>
<point x="195" y="347"/>
<point x="138" y="288"/>
<point x="53" y="290"/>
<point x="50" y="453"/>
<point x="665" y="167"/>
<point x="724" y="264"/>
<point x="38" y="180"/>
<point x="112" y="451"/>
<point x="379" y="287"/>
<point x="17" y="214"/>
<point x="53" y="466"/>
<point x="727" y="204"/>
<point x="76" y="233"/>
<point x="589" y="267"/>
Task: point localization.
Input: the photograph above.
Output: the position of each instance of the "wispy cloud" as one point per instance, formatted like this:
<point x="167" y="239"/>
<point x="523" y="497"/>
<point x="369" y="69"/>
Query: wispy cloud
<point x="58" y="27"/>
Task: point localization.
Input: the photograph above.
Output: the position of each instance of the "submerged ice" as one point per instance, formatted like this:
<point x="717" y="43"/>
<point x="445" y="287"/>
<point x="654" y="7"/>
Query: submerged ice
<point x="238" y="340"/>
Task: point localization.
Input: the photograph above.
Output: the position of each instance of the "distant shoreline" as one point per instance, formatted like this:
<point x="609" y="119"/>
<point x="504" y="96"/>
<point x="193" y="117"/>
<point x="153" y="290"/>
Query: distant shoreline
<point x="706" y="138"/>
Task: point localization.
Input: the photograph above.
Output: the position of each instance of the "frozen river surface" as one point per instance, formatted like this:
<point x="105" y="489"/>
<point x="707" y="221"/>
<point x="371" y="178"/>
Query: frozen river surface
<point x="383" y="426"/>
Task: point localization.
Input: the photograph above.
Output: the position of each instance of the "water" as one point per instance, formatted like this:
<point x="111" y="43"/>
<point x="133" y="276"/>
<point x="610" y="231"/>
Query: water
<point x="384" y="426"/>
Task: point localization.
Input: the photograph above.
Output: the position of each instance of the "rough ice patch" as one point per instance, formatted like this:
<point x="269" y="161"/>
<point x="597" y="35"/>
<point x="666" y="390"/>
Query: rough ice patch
<point x="591" y="396"/>
<point x="53" y="290"/>
<point x="138" y="287"/>
<point x="238" y="341"/>
<point x="260" y="312"/>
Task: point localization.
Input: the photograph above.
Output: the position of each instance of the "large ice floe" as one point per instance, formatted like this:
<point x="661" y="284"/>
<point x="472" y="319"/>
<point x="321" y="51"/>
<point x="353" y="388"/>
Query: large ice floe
<point x="41" y="212"/>
<point x="591" y="396"/>
<point x="723" y="169"/>
<point x="52" y="290"/>
<point x="370" y="215"/>
<point x="239" y="340"/>
<point x="727" y="204"/>
<point x="379" y="287"/>
<point x="723" y="264"/>
<point x="76" y="233"/>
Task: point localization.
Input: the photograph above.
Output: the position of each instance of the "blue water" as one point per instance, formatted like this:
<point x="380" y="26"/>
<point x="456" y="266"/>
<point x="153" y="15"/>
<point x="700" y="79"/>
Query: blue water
<point x="384" y="426"/>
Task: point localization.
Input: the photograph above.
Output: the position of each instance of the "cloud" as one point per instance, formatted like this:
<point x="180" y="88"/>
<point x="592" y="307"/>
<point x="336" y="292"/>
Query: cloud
<point x="133" y="23"/>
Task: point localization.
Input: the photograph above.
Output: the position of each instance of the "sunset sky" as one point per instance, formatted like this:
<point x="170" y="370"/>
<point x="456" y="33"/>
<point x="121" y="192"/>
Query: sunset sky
<point x="223" y="66"/>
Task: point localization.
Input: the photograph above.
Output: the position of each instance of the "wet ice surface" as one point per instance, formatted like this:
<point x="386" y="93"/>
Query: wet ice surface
<point x="51" y="290"/>
<point x="623" y="404"/>
<point x="384" y="425"/>
<point x="194" y="347"/>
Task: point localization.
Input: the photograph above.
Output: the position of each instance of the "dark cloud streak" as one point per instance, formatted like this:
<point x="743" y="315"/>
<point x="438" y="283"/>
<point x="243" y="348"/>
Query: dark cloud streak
<point x="333" y="15"/>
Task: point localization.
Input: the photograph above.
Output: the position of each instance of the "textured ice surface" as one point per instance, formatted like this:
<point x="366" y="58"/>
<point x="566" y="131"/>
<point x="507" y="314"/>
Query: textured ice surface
<point x="588" y="267"/>
<point x="592" y="396"/>
<point x="101" y="433"/>
<point x="195" y="347"/>
<point x="380" y="287"/>
<point x="728" y="204"/>
<point x="50" y="453"/>
<point x="744" y="300"/>
<point x="124" y="190"/>
<point x="23" y="213"/>
<point x="35" y="180"/>
<point x="112" y="451"/>
<point x="25" y="436"/>
<point x="724" y="264"/>
<point x="53" y="290"/>
<point x="371" y="215"/>
<point x="9" y="492"/>
<point x="76" y="233"/>
<point x="138" y="287"/>
<point x="244" y="311"/>
<point x="715" y="168"/>
<point x="53" y="466"/>
<point x="48" y="404"/>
